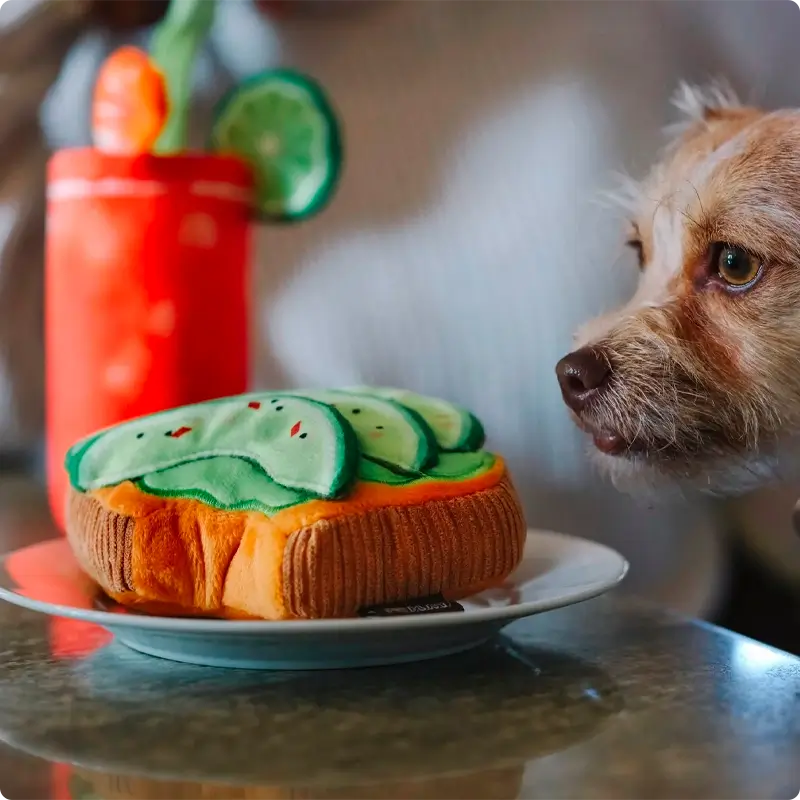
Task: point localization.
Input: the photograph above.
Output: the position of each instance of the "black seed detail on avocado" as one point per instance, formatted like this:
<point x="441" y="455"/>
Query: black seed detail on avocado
<point x="168" y="433"/>
<point x="356" y="410"/>
<point x="379" y="427"/>
<point x="139" y="435"/>
<point x="303" y="435"/>
<point x="279" y="408"/>
<point x="274" y="400"/>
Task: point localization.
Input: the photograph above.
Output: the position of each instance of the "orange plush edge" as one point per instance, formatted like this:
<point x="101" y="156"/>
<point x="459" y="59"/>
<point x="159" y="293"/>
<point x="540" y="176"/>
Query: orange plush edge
<point x="321" y="559"/>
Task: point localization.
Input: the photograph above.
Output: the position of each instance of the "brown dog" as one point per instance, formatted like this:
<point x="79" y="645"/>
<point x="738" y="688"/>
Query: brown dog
<point x="697" y="378"/>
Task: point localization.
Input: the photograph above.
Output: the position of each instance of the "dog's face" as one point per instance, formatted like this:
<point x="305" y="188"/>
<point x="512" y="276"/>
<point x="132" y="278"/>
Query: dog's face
<point x="697" y="378"/>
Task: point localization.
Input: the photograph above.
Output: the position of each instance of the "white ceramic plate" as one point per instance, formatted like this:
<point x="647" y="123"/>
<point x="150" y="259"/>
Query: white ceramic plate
<point x="556" y="571"/>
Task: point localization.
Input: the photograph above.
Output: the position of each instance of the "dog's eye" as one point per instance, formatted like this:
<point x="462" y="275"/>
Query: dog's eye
<point x="638" y="248"/>
<point x="736" y="266"/>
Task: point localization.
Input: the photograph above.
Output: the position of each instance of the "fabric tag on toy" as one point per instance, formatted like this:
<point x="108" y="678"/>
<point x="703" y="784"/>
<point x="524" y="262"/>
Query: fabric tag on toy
<point x="433" y="604"/>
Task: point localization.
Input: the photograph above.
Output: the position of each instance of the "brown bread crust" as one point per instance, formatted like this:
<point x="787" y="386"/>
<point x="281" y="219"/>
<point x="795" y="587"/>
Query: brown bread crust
<point x="331" y="568"/>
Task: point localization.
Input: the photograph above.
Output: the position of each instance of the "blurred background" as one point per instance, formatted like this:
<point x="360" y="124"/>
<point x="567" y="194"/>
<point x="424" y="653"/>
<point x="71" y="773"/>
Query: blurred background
<point x="466" y="242"/>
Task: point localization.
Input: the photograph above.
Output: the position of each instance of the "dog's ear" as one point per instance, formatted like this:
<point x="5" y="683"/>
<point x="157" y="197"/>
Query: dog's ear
<point x="706" y="104"/>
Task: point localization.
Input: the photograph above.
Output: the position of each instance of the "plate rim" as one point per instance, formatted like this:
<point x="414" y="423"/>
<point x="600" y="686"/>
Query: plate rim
<point x="204" y="625"/>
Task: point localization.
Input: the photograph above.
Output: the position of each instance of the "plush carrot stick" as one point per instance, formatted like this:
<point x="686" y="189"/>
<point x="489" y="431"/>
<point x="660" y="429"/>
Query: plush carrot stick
<point x="130" y="103"/>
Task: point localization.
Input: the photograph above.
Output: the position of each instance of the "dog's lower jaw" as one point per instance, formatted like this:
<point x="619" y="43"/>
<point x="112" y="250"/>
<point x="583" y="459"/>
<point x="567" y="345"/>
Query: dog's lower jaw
<point x="723" y="475"/>
<point x="606" y="440"/>
<point x="633" y="474"/>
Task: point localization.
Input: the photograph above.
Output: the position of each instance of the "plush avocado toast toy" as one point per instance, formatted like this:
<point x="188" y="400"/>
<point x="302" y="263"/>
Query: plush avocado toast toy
<point x="285" y="505"/>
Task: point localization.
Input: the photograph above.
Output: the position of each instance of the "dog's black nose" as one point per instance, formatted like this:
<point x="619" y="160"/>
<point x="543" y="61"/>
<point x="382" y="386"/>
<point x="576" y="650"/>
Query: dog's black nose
<point x="581" y="375"/>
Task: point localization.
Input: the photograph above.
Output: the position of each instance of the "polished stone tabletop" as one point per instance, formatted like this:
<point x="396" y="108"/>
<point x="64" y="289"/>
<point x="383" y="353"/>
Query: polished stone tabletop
<point x="607" y="699"/>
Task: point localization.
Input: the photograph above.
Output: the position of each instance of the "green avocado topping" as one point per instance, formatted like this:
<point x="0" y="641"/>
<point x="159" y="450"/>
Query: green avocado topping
<point x="268" y="451"/>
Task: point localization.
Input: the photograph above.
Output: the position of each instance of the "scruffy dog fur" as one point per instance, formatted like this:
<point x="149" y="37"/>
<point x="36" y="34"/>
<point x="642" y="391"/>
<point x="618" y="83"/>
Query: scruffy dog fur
<point x="697" y="378"/>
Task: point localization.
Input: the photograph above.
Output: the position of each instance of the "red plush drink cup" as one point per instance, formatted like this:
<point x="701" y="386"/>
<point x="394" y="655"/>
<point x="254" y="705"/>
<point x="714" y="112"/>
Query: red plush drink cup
<point x="146" y="290"/>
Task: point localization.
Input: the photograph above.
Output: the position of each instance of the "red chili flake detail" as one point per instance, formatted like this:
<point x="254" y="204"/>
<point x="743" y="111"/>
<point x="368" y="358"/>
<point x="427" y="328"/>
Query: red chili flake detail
<point x="178" y="433"/>
<point x="295" y="429"/>
<point x="254" y="404"/>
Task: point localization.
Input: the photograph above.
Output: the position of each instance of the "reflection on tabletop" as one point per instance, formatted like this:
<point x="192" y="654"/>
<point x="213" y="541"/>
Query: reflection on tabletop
<point x="498" y="784"/>
<point x="464" y="726"/>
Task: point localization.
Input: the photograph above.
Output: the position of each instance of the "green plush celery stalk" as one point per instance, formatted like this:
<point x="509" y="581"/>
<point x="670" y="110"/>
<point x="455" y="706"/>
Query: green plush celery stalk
<point x="176" y="43"/>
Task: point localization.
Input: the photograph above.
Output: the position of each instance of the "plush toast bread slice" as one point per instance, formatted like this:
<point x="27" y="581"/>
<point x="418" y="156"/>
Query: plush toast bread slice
<point x="322" y="559"/>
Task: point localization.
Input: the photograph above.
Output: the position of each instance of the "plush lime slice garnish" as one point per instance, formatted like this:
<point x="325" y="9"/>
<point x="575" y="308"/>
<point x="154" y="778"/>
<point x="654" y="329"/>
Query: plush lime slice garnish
<point x="282" y="124"/>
